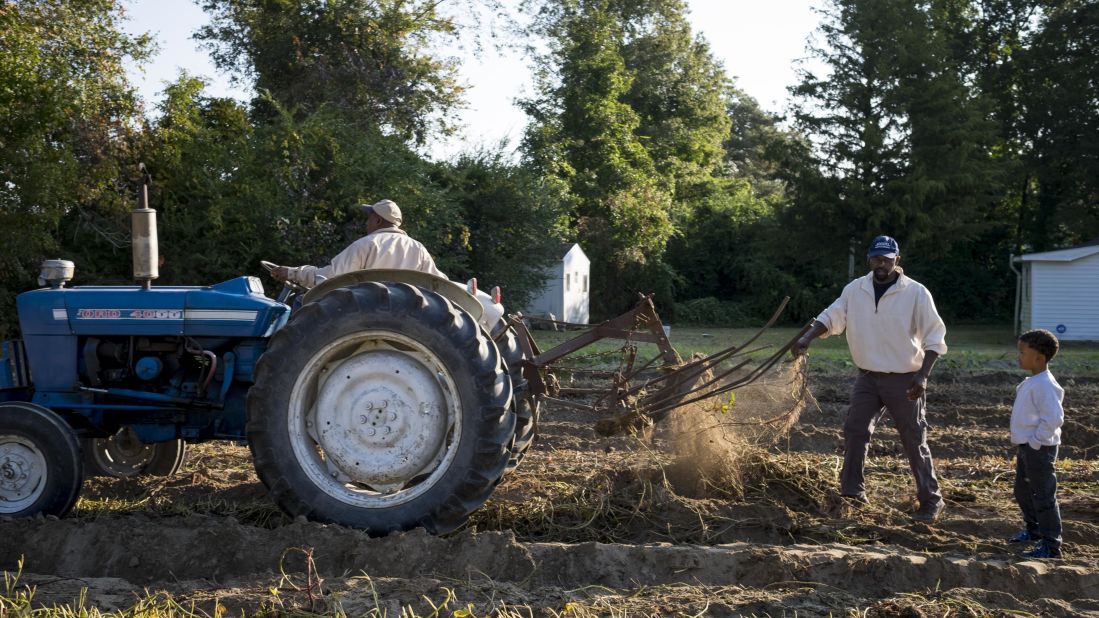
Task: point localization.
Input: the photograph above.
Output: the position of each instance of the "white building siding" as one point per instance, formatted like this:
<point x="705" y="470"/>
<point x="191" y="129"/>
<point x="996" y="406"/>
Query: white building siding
<point x="551" y="300"/>
<point x="577" y="268"/>
<point x="567" y="291"/>
<point x="1064" y="296"/>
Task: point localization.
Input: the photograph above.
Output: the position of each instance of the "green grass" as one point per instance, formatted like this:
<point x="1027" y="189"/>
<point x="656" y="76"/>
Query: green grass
<point x="971" y="347"/>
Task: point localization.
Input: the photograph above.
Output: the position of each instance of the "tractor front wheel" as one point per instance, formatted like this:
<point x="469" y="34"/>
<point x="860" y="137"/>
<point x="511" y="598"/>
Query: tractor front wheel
<point x="40" y="469"/>
<point x="381" y="406"/>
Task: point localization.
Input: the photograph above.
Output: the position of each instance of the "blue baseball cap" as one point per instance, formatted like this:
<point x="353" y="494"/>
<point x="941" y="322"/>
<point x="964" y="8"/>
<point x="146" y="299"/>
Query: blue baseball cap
<point x="884" y="246"/>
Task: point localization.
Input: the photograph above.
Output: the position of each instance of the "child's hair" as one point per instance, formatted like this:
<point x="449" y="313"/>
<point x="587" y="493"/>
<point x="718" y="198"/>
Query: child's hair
<point x="1042" y="340"/>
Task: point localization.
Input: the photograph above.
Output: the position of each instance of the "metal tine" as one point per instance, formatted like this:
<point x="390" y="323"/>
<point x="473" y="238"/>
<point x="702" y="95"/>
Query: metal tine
<point x="717" y="357"/>
<point x="751" y="377"/>
<point x="665" y="396"/>
<point x="717" y="377"/>
<point x="673" y="395"/>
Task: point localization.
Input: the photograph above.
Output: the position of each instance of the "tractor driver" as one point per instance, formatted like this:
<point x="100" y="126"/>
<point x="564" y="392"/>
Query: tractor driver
<point x="385" y="245"/>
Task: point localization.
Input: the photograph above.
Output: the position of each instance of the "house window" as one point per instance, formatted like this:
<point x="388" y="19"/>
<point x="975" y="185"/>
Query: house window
<point x="585" y="283"/>
<point x="566" y="282"/>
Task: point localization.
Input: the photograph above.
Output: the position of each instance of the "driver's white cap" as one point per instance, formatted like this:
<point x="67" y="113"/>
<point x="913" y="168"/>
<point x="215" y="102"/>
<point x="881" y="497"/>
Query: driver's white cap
<point x="386" y="209"/>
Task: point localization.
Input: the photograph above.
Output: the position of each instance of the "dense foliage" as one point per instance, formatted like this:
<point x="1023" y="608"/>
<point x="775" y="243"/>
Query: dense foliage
<point x="968" y="129"/>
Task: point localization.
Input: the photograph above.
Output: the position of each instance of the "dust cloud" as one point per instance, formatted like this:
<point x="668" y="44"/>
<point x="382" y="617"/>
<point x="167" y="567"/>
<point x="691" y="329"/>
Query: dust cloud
<point x="714" y="439"/>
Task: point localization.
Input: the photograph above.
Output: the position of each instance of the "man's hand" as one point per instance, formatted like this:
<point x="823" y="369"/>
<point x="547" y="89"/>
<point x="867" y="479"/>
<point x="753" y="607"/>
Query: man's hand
<point x="919" y="381"/>
<point x="800" y="346"/>
<point x="280" y="273"/>
<point x="918" y="387"/>
<point x="816" y="329"/>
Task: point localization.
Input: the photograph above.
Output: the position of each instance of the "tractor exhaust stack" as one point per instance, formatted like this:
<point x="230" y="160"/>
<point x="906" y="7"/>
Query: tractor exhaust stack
<point x="146" y="252"/>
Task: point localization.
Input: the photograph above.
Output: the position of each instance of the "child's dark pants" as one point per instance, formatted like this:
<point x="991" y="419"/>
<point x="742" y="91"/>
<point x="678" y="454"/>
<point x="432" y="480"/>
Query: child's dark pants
<point x="1036" y="492"/>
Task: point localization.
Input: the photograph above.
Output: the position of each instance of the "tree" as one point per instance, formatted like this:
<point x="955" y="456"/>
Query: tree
<point x="584" y="134"/>
<point x="232" y="192"/>
<point x="1060" y="123"/>
<point x="951" y="179"/>
<point x="631" y="115"/>
<point x="66" y="119"/>
<point x="852" y="119"/>
<point x="679" y="93"/>
<point x="200" y="151"/>
<point x="902" y="142"/>
<point x="757" y="145"/>
<point x="733" y="249"/>
<point x="367" y="60"/>
<point x="513" y="224"/>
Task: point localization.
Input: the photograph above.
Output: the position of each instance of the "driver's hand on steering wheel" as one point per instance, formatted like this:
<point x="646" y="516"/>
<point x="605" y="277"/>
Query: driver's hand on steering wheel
<point x="280" y="273"/>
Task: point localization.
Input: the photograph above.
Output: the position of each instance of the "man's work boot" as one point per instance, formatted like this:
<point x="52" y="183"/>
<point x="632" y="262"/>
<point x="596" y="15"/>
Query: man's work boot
<point x="928" y="513"/>
<point x="857" y="499"/>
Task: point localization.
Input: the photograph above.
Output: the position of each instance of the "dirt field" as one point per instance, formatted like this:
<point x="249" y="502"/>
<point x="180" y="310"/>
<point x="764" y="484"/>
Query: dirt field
<point x="667" y="522"/>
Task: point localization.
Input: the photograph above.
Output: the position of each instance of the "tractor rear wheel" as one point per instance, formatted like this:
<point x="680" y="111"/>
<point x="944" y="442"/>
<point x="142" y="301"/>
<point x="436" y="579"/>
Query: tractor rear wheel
<point x="40" y="469"/>
<point x="523" y="403"/>
<point x="124" y="455"/>
<point x="381" y="406"/>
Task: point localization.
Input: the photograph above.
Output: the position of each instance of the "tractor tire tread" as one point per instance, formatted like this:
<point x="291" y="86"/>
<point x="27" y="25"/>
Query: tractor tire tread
<point x="494" y="425"/>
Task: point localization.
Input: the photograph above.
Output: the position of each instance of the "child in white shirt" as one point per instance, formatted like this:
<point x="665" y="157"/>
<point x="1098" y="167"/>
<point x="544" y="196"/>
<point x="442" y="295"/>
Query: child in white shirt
<point x="1036" y="420"/>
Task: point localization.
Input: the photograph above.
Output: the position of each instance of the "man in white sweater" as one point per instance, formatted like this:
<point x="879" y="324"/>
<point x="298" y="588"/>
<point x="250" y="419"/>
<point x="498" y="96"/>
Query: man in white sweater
<point x="385" y="245"/>
<point x="895" y="336"/>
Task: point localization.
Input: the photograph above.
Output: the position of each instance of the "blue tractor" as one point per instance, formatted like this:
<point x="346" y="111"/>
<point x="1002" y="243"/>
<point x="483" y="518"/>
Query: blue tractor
<point x="385" y="400"/>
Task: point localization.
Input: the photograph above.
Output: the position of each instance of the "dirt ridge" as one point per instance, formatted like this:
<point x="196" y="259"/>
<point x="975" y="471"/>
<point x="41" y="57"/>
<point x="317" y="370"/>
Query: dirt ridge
<point x="212" y="548"/>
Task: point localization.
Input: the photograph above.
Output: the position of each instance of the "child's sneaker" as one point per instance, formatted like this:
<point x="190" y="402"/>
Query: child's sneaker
<point x="1024" y="537"/>
<point x="1044" y="549"/>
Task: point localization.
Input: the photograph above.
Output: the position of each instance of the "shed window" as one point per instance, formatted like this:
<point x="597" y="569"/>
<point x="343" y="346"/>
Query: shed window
<point x="567" y="282"/>
<point x="585" y="283"/>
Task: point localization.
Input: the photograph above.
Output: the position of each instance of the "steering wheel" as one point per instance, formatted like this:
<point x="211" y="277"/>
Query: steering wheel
<point x="289" y="288"/>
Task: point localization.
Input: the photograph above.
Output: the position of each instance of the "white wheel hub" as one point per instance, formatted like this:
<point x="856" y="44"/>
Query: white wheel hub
<point x="381" y="417"/>
<point x="22" y="473"/>
<point x="374" y="419"/>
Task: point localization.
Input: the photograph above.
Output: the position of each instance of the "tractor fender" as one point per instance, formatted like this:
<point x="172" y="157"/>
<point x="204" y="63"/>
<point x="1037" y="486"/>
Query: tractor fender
<point x="454" y="292"/>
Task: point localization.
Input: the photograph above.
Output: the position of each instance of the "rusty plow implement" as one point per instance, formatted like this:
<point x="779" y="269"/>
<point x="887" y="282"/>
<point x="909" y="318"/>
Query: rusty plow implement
<point x="646" y="391"/>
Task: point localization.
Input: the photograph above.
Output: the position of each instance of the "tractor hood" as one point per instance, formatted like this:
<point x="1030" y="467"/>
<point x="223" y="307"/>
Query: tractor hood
<point x="234" y="308"/>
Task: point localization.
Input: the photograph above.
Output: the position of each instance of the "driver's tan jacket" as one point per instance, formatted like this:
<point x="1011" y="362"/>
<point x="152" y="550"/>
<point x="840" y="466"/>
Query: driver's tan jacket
<point x="389" y="247"/>
<point x="892" y="336"/>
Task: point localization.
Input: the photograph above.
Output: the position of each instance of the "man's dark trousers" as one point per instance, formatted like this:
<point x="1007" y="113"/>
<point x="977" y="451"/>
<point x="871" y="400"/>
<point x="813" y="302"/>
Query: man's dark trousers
<point x="1036" y="492"/>
<point x="873" y="394"/>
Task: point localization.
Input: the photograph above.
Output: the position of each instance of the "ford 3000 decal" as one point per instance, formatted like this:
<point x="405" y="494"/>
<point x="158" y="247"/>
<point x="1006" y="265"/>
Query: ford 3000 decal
<point x="130" y="314"/>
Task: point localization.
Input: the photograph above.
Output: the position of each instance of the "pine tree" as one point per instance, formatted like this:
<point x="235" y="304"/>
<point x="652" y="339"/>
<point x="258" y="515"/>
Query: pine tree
<point x="1060" y="121"/>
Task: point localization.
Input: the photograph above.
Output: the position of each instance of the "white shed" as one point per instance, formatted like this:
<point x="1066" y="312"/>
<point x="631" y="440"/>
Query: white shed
<point x="1059" y="291"/>
<point x="566" y="292"/>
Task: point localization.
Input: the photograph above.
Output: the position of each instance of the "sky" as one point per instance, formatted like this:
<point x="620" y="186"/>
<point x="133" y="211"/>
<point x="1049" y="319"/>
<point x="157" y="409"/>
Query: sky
<point x="758" y="42"/>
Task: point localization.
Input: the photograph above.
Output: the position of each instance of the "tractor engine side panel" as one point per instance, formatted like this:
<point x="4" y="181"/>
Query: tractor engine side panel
<point x="57" y="322"/>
